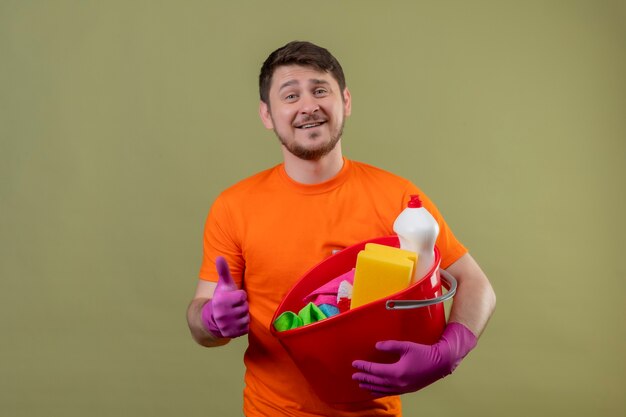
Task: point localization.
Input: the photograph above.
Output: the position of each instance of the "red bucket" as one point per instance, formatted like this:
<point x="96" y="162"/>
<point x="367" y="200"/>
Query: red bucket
<point x="324" y="351"/>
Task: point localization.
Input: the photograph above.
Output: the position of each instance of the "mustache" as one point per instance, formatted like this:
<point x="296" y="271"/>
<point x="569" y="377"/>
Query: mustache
<point x="309" y="118"/>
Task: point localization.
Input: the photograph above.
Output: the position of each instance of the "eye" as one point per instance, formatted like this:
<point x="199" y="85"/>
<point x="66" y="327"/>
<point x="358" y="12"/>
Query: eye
<point x="291" y="97"/>
<point x="320" y="92"/>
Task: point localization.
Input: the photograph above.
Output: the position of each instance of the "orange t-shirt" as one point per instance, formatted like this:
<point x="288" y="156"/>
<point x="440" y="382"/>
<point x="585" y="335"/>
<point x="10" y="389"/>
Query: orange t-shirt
<point x="271" y="230"/>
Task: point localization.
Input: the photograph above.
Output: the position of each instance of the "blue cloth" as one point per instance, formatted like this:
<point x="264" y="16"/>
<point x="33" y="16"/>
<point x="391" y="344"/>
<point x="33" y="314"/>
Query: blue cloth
<point x="329" y="310"/>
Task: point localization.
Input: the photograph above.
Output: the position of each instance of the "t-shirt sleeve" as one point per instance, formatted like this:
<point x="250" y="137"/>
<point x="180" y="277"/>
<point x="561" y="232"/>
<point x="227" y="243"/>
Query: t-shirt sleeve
<point x="221" y="239"/>
<point x="449" y="246"/>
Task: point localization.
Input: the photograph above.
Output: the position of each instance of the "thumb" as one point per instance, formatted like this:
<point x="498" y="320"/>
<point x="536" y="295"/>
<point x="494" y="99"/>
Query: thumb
<point x="225" y="281"/>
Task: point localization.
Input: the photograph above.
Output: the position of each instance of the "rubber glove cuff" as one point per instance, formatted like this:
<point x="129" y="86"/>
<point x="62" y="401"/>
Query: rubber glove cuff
<point x="460" y="341"/>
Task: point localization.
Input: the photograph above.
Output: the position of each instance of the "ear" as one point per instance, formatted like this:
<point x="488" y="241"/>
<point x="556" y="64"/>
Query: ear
<point x="264" y="113"/>
<point x="347" y="102"/>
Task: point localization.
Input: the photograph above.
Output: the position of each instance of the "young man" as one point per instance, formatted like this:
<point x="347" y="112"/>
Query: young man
<point x="266" y="231"/>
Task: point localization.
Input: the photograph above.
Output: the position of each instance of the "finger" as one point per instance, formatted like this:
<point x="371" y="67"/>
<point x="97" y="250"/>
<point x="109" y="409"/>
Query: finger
<point x="394" y="346"/>
<point x="230" y="323"/>
<point x="230" y="315"/>
<point x="236" y="331"/>
<point x="232" y="298"/>
<point x="382" y="370"/>
<point x="225" y="308"/>
<point x="240" y="312"/>
<point x="369" y="379"/>
<point x="232" y="333"/>
<point x="244" y="329"/>
<point x="225" y="281"/>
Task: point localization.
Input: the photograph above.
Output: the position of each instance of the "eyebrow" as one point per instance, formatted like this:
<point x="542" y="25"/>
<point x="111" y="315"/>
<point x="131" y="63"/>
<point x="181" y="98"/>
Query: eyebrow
<point x="314" y="81"/>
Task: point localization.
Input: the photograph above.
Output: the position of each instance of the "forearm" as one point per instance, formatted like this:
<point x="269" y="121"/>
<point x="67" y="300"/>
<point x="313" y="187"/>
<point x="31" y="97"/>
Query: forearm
<point x="197" y="329"/>
<point x="475" y="299"/>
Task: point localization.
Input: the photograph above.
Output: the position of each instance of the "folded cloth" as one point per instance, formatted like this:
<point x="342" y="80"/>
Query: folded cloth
<point x="311" y="313"/>
<point x="288" y="320"/>
<point x="327" y="293"/>
<point x="329" y="310"/>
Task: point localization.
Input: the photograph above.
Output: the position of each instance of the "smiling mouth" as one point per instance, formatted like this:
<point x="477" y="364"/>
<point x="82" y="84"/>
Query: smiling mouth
<point x="310" y="125"/>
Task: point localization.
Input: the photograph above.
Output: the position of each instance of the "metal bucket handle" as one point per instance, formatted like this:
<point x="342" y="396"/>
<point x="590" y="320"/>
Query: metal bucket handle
<point x="409" y="304"/>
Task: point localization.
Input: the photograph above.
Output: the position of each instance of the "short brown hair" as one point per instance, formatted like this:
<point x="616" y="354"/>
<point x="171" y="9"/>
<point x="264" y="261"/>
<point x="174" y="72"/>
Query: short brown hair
<point x="305" y="54"/>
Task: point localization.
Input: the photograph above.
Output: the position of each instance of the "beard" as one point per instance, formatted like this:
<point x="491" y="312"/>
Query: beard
<point x="312" y="153"/>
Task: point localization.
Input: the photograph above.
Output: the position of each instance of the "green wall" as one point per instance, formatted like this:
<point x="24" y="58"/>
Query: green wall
<point x="120" y="121"/>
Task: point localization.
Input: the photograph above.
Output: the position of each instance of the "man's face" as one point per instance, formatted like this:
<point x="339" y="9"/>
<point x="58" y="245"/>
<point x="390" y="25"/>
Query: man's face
<point x="307" y="110"/>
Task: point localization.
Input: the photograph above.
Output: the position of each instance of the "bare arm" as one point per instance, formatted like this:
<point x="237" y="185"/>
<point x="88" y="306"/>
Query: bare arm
<point x="204" y="292"/>
<point x="475" y="299"/>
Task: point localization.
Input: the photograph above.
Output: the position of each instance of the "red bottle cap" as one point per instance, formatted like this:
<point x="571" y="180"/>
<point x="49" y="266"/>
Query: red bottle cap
<point x="415" y="201"/>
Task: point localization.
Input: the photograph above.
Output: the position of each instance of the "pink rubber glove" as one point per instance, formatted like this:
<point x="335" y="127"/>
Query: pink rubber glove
<point x="418" y="365"/>
<point x="227" y="313"/>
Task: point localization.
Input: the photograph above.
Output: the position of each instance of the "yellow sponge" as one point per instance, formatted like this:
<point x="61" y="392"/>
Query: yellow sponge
<point x="391" y="251"/>
<point x="380" y="271"/>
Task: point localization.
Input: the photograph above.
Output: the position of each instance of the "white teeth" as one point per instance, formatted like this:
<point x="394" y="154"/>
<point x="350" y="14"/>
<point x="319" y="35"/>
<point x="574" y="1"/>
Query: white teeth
<point x="309" y="125"/>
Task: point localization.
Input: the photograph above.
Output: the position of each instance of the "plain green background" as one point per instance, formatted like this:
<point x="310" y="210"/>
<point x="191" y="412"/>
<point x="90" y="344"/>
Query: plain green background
<point x="120" y="121"/>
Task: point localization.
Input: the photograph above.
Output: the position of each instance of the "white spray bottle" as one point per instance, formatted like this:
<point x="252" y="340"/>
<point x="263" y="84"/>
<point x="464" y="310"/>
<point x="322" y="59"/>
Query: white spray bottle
<point x="417" y="230"/>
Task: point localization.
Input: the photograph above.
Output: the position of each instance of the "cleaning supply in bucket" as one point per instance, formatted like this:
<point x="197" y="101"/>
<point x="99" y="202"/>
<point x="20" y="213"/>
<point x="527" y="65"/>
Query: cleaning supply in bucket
<point x="344" y="295"/>
<point x="327" y="293"/>
<point x="329" y="310"/>
<point x="326" y="301"/>
<point x="417" y="231"/>
<point x="381" y="271"/>
<point x="288" y="320"/>
<point x="311" y="313"/>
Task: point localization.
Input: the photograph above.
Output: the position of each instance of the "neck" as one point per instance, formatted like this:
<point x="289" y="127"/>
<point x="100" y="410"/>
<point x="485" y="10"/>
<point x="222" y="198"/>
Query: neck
<point x="313" y="172"/>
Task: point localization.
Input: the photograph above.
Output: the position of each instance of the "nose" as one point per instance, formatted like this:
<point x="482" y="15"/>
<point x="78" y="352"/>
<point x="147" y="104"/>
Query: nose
<point x="308" y="105"/>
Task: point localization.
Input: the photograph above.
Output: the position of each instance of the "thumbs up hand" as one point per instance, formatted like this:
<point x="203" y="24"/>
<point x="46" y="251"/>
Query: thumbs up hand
<point x="227" y="313"/>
